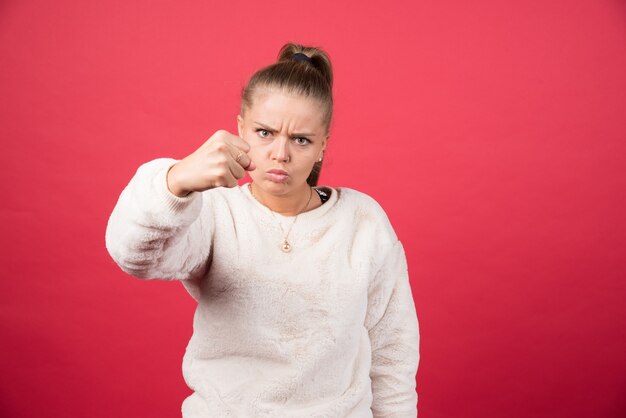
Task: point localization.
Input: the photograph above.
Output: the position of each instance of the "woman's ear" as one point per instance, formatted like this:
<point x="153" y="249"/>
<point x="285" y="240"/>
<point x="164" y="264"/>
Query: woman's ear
<point x="323" y="150"/>
<point x="325" y="143"/>
<point x="240" y="126"/>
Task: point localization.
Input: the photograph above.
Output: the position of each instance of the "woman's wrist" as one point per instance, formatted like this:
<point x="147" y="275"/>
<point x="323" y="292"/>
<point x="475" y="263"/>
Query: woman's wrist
<point x="172" y="184"/>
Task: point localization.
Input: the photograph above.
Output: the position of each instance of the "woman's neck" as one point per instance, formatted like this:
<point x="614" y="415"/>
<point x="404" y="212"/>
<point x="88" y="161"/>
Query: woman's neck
<point x="293" y="204"/>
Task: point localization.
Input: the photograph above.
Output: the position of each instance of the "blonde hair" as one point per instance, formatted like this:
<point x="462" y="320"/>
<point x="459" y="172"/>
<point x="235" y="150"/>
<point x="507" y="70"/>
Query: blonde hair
<point x="309" y="78"/>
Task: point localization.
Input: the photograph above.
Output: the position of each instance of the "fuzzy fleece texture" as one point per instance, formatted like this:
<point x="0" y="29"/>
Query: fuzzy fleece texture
<point x="327" y="330"/>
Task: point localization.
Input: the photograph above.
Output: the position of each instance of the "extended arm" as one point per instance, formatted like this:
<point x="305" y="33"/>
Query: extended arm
<point x="154" y="234"/>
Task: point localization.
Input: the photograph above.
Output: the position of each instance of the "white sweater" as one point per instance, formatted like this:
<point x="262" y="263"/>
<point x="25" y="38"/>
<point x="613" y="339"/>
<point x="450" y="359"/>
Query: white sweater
<point x="326" y="330"/>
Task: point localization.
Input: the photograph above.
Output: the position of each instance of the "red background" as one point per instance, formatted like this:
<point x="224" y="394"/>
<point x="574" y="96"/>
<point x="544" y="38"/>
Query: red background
<point x="493" y="133"/>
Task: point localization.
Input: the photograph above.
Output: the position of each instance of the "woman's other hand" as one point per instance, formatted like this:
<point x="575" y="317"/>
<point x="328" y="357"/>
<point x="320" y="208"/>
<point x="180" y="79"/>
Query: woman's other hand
<point x="220" y="162"/>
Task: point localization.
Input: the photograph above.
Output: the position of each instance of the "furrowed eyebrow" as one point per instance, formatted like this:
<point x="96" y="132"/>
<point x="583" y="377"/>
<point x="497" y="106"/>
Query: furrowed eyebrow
<point x="274" y="130"/>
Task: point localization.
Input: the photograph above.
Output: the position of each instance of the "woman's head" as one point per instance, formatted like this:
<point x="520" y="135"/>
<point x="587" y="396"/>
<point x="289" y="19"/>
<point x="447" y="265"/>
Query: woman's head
<point x="292" y="96"/>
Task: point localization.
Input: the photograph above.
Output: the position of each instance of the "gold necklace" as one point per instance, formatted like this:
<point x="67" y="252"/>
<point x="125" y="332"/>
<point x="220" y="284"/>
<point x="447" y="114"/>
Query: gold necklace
<point x="285" y="246"/>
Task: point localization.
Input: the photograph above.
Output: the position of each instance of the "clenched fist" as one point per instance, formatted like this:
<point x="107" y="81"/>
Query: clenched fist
<point x="219" y="162"/>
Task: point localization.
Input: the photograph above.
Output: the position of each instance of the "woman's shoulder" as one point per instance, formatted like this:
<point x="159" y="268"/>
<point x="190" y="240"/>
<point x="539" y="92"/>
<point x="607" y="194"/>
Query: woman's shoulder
<point x="361" y="200"/>
<point x="364" y="209"/>
<point x="373" y="231"/>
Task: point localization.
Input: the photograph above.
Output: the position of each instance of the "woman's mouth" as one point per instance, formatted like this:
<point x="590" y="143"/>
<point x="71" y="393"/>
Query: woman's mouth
<point x="278" y="176"/>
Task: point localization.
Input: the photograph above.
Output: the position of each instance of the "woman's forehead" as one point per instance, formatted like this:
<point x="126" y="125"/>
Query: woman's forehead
<point x="278" y="95"/>
<point x="276" y="106"/>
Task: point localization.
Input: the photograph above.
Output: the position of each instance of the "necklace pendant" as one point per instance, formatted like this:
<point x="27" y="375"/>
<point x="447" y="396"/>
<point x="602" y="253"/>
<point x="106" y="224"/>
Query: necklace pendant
<point x="286" y="247"/>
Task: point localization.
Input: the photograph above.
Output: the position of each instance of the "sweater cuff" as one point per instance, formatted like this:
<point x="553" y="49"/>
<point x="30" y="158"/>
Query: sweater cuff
<point x="174" y="203"/>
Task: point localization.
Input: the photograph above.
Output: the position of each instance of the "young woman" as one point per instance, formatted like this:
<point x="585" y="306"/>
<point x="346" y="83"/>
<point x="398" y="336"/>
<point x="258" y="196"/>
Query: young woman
<point x="304" y="304"/>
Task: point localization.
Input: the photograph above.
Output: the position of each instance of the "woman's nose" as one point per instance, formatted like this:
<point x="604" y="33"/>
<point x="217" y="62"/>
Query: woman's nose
<point x="281" y="150"/>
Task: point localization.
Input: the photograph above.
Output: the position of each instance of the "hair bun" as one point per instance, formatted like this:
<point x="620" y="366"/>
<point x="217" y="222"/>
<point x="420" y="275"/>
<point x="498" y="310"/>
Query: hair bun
<point x="316" y="56"/>
<point x="299" y="56"/>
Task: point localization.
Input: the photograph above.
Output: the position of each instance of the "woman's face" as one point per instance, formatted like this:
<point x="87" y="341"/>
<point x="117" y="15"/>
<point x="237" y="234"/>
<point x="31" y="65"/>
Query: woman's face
<point x="287" y="136"/>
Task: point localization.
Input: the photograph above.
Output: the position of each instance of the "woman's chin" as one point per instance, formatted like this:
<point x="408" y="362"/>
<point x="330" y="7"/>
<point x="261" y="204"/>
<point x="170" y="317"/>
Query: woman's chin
<point x="270" y="185"/>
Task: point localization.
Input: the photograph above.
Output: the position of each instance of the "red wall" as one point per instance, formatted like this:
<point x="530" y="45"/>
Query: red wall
<point x="493" y="133"/>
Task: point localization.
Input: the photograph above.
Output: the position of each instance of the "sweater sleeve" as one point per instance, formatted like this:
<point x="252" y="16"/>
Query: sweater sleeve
<point x="154" y="234"/>
<point x="393" y="328"/>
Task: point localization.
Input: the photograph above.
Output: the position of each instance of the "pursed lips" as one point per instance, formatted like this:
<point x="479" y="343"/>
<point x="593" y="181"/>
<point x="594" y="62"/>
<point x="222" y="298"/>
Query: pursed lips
<point x="277" y="175"/>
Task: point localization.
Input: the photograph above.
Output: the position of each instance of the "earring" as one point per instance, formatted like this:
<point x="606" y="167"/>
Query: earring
<point x="320" y="160"/>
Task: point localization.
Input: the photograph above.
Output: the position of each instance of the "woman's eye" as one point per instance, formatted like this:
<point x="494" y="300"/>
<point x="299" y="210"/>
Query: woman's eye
<point x="264" y="133"/>
<point x="302" y="141"/>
